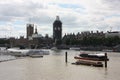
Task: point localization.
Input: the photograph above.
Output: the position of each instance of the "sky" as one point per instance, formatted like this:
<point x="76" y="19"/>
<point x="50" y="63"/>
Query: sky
<point x="75" y="15"/>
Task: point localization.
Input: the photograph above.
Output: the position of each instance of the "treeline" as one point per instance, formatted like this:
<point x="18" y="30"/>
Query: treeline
<point x="94" y="41"/>
<point x="4" y="41"/>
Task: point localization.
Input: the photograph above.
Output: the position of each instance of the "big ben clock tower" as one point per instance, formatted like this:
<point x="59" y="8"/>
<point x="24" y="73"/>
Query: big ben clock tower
<point x="57" y="31"/>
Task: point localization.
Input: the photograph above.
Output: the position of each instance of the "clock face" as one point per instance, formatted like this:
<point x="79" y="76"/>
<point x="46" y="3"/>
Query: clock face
<point x="59" y="28"/>
<point x="55" y="28"/>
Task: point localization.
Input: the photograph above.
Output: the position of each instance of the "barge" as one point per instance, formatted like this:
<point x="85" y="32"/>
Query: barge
<point x="89" y="63"/>
<point x="93" y="59"/>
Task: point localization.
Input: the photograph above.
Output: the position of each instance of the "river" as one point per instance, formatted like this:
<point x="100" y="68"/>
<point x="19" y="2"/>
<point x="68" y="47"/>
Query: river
<point x="53" y="67"/>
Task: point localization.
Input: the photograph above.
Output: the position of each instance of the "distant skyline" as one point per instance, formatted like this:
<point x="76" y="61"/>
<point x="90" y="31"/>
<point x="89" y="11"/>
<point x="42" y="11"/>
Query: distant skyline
<point x="76" y="16"/>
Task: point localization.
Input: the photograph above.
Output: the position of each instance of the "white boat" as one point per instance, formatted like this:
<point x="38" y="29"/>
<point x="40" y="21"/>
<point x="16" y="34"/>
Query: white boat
<point x="90" y="56"/>
<point x="35" y="53"/>
<point x="25" y="52"/>
<point x="74" y="48"/>
<point x="17" y="51"/>
<point x="107" y="50"/>
<point x="36" y="56"/>
<point x="38" y="52"/>
<point x="54" y="48"/>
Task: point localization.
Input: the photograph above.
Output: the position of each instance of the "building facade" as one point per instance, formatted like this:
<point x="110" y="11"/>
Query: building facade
<point x="30" y="30"/>
<point x="112" y="34"/>
<point x="32" y="40"/>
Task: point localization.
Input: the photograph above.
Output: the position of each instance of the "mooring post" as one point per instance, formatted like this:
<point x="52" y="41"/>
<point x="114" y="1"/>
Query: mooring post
<point x="105" y="60"/>
<point x="66" y="57"/>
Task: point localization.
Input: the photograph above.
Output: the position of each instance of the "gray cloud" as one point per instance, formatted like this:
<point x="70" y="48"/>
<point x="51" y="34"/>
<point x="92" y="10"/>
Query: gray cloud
<point x="6" y="28"/>
<point x="26" y="9"/>
<point x="113" y="4"/>
<point x="96" y="15"/>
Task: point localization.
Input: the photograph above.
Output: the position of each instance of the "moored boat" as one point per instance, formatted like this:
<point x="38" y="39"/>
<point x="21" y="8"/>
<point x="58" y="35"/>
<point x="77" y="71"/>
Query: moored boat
<point x="17" y="52"/>
<point x="107" y="50"/>
<point x="54" y="48"/>
<point x="89" y="63"/>
<point x="74" y="48"/>
<point x="93" y="59"/>
<point x="36" y="56"/>
<point x="89" y="56"/>
<point x="38" y="51"/>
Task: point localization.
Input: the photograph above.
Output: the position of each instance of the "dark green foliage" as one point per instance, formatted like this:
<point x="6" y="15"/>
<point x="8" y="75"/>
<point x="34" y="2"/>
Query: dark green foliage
<point x="112" y="41"/>
<point x="93" y="41"/>
<point x="4" y="41"/>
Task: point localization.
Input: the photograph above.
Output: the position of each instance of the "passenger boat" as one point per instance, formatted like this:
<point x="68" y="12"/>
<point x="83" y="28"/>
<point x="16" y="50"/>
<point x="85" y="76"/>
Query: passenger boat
<point x="91" y="59"/>
<point x="35" y="53"/>
<point x="89" y="56"/>
<point x="74" y="48"/>
<point x="54" y="48"/>
<point x="26" y="52"/>
<point x="17" y="52"/>
<point x="107" y="50"/>
<point x="36" y="56"/>
<point x="86" y="58"/>
<point x="38" y="51"/>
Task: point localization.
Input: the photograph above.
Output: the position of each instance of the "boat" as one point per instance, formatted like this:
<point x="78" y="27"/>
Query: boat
<point x="17" y="52"/>
<point x="26" y="52"/>
<point x="74" y="48"/>
<point x="107" y="50"/>
<point x="86" y="58"/>
<point x="89" y="56"/>
<point x="89" y="63"/>
<point x="54" y="48"/>
<point x="91" y="59"/>
<point x="37" y="53"/>
<point x="36" y="56"/>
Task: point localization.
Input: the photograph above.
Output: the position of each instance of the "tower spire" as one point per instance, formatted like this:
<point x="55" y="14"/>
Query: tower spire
<point x="57" y="18"/>
<point x="36" y="30"/>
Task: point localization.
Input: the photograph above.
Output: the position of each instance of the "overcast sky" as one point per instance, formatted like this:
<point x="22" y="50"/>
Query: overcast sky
<point x="76" y="16"/>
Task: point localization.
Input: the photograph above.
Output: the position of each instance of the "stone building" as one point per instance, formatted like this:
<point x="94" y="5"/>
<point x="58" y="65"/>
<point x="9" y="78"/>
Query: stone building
<point x="112" y="34"/>
<point x="38" y="41"/>
<point x="29" y="30"/>
<point x="32" y="40"/>
<point x="21" y="42"/>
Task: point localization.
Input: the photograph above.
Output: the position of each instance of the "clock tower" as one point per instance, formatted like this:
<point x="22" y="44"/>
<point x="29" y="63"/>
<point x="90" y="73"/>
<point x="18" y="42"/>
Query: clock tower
<point x="57" y="31"/>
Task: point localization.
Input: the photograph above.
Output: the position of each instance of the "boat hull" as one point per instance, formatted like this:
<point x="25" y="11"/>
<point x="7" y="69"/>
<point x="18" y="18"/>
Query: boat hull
<point x="36" y="56"/>
<point x="89" y="63"/>
<point x="99" y="57"/>
<point x="93" y="59"/>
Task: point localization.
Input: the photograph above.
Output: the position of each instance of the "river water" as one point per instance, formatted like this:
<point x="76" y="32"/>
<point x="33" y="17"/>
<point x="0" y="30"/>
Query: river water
<point x="53" y="67"/>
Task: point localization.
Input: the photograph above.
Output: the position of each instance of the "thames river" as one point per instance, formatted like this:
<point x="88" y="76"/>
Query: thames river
<point x="53" y="67"/>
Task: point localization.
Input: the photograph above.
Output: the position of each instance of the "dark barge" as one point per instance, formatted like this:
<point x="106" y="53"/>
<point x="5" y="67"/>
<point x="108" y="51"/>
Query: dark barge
<point x="89" y="63"/>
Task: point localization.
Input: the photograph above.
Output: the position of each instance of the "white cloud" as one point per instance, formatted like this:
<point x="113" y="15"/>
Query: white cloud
<point x="76" y="15"/>
<point x="6" y="27"/>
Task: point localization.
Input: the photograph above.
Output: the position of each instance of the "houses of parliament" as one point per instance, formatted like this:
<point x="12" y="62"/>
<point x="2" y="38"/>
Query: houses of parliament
<point x="35" y="40"/>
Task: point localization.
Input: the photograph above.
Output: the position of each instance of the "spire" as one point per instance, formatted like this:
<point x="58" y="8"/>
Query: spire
<point x="36" y="30"/>
<point x="57" y="18"/>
